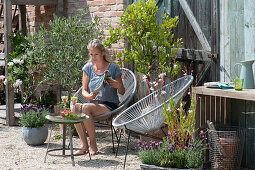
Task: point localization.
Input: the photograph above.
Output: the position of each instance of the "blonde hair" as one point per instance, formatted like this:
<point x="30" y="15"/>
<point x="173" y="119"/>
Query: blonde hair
<point x="98" y="45"/>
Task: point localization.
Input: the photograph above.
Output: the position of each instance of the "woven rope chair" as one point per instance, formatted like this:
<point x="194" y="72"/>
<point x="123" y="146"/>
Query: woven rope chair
<point x="145" y="116"/>
<point x="129" y="82"/>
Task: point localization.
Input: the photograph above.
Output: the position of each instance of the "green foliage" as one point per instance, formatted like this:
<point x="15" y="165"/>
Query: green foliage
<point x="18" y="65"/>
<point x="33" y="116"/>
<point x="179" y="149"/>
<point x="169" y="154"/>
<point x="152" y="44"/>
<point x="60" y="52"/>
<point x="180" y="122"/>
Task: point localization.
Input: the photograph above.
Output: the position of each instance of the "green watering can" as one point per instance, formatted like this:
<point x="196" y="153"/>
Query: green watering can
<point x="246" y="73"/>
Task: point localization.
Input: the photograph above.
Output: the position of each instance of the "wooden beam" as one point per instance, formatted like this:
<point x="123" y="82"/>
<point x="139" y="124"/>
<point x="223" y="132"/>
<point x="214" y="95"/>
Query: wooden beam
<point x="7" y="49"/>
<point x="34" y="2"/>
<point x="193" y="54"/>
<point x="195" y="25"/>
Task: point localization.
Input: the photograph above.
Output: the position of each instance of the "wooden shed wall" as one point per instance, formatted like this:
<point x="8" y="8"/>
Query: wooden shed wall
<point x="237" y="34"/>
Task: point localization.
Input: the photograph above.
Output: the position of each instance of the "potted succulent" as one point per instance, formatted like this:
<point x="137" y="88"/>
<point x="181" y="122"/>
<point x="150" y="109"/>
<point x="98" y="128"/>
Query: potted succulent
<point x="33" y="122"/>
<point x="180" y="149"/>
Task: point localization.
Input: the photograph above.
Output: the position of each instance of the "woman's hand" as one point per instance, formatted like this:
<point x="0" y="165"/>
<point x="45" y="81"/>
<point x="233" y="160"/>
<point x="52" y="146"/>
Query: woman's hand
<point x="118" y="84"/>
<point x="113" y="83"/>
<point x="92" y="95"/>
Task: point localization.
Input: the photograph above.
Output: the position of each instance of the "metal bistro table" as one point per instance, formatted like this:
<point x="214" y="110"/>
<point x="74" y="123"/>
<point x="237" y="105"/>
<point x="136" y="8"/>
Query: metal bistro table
<point x="60" y="120"/>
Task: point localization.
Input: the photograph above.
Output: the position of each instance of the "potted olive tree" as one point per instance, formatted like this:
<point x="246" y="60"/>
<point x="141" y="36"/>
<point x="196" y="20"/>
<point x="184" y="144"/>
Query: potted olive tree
<point x="59" y="53"/>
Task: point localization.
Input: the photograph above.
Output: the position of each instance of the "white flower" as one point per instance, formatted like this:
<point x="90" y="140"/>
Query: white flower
<point x="175" y="66"/>
<point x="162" y="75"/>
<point x="5" y="81"/>
<point x="2" y="77"/>
<point x="18" y="82"/>
<point x="152" y="89"/>
<point x="15" y="61"/>
<point x="21" y="62"/>
<point x="10" y="64"/>
<point x="190" y="111"/>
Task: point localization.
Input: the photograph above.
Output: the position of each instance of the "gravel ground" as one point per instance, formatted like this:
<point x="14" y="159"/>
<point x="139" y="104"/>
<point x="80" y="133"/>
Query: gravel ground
<point x="16" y="154"/>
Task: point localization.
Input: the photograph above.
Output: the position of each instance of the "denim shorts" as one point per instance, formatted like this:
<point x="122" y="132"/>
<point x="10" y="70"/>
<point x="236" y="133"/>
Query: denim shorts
<point x="109" y="105"/>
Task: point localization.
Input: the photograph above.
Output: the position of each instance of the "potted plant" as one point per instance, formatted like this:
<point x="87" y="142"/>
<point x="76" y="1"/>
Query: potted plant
<point x="33" y="122"/>
<point x="152" y="45"/>
<point x="179" y="149"/>
<point x="60" y="52"/>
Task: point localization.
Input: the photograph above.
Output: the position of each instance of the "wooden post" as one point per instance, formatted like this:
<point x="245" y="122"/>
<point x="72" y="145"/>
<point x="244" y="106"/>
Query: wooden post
<point x="7" y="49"/>
<point x="60" y="8"/>
<point x="22" y="19"/>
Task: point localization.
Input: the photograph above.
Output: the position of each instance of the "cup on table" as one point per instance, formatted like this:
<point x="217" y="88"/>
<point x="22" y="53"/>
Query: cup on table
<point x="238" y="84"/>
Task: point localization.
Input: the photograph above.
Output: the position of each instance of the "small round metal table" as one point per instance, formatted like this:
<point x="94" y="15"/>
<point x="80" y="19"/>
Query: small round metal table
<point x="69" y="123"/>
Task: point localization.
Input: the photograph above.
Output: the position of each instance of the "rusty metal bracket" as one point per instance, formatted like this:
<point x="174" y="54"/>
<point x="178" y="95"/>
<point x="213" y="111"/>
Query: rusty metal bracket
<point x="214" y="56"/>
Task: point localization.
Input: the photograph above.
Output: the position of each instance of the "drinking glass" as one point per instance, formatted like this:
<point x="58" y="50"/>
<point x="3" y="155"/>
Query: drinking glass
<point x="238" y="84"/>
<point x="64" y="97"/>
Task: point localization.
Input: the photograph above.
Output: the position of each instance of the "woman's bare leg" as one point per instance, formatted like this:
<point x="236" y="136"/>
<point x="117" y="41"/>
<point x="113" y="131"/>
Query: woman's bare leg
<point x="92" y="110"/>
<point x="81" y="132"/>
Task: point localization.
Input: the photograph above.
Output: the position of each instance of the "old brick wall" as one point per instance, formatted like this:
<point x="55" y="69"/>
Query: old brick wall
<point x="107" y="10"/>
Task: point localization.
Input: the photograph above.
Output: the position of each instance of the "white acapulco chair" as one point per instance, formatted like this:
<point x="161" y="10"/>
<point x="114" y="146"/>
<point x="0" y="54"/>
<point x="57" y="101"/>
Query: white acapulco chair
<point x="146" y="116"/>
<point x="130" y="83"/>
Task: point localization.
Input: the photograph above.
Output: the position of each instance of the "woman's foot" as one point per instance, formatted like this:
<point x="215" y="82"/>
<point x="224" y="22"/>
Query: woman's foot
<point x="92" y="151"/>
<point x="81" y="151"/>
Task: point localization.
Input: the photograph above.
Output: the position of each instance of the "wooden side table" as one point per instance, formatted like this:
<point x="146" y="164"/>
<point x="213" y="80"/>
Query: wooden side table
<point x="69" y="123"/>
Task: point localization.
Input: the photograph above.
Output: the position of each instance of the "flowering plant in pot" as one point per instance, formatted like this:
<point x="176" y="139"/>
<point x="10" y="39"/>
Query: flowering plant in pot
<point x="33" y="122"/>
<point x="179" y="149"/>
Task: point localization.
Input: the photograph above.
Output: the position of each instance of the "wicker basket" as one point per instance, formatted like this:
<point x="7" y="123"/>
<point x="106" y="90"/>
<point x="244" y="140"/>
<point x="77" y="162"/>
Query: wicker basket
<point x="226" y="147"/>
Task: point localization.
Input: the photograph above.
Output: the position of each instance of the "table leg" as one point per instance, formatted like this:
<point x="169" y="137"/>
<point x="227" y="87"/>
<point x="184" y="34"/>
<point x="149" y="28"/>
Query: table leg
<point x="71" y="144"/>
<point x="51" y="127"/>
<point x="83" y="128"/>
<point x="64" y="139"/>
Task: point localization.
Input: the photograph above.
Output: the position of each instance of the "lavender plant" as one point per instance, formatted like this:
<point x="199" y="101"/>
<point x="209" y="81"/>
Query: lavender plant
<point x="33" y="116"/>
<point x="180" y="149"/>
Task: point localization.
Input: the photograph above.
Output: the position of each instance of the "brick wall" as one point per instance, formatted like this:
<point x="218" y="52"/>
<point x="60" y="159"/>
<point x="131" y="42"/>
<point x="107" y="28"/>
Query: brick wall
<point x="107" y="10"/>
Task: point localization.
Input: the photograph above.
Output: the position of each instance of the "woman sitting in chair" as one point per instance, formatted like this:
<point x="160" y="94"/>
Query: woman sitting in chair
<point x="102" y="101"/>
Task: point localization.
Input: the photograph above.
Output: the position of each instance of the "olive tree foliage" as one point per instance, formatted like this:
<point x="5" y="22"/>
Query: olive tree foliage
<point x="59" y="53"/>
<point x="152" y="46"/>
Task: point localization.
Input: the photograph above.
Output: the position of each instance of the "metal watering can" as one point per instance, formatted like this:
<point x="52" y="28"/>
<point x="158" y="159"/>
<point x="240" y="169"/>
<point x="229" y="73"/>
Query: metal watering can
<point x="246" y="73"/>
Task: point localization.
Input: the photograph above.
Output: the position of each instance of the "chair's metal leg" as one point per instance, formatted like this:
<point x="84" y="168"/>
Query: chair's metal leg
<point x="83" y="128"/>
<point x="112" y="138"/>
<point x="64" y="139"/>
<point x="118" y="140"/>
<point x="71" y="144"/>
<point x="51" y="127"/>
<point x="126" y="149"/>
